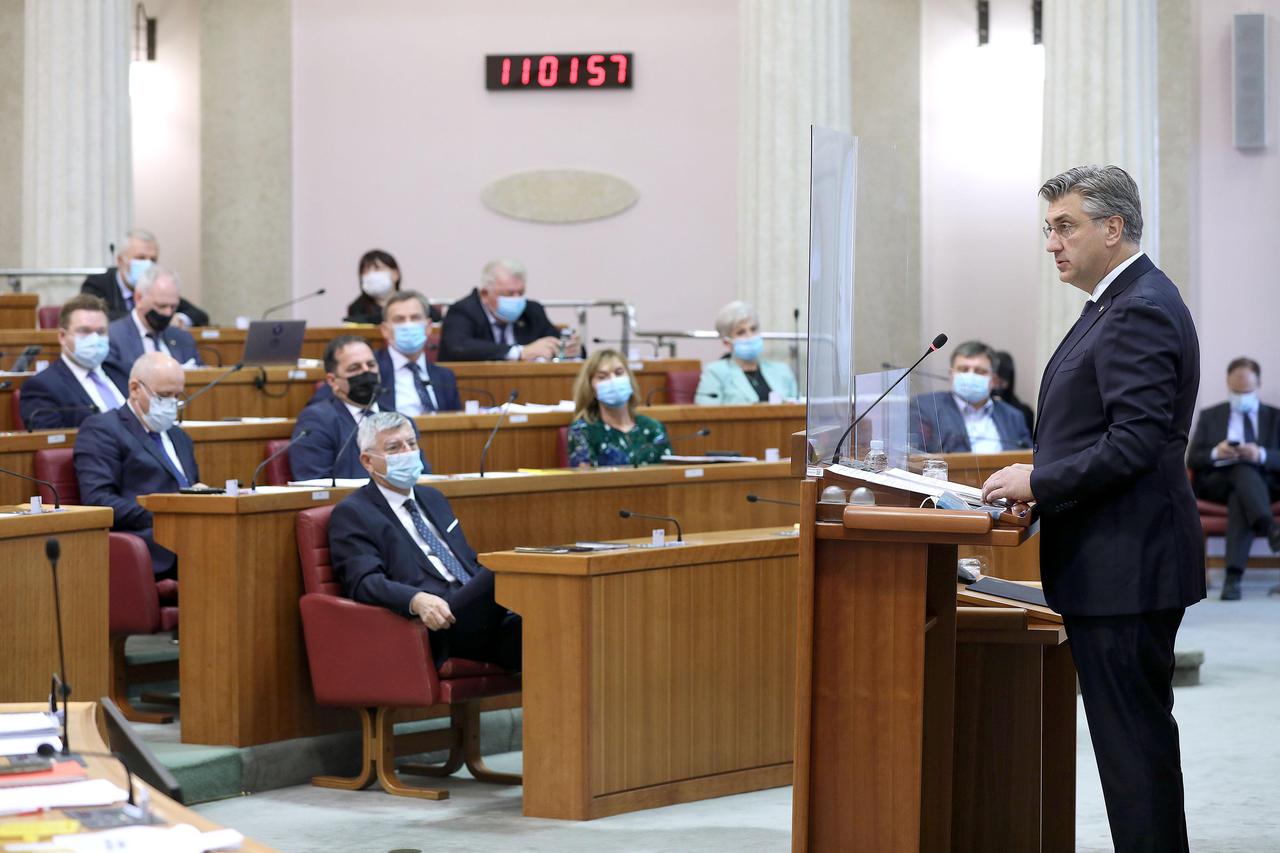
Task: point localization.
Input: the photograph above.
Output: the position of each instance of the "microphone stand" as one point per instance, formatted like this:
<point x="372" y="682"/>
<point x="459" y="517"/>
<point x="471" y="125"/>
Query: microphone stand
<point x="187" y="402"/>
<point x="57" y="501"/>
<point x="626" y="513"/>
<point x="253" y="482"/>
<point x="364" y="411"/>
<point x="53" y="550"/>
<point x="302" y="298"/>
<point x="484" y="454"/>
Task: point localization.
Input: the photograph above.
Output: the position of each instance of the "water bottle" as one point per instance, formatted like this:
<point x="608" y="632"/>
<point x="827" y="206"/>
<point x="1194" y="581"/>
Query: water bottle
<point x="877" y="460"/>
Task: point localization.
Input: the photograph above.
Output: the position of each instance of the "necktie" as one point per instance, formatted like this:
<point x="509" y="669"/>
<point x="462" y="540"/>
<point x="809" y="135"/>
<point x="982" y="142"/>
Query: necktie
<point x="1088" y="306"/>
<point x="423" y="388"/>
<point x="155" y="342"/>
<point x="183" y="482"/>
<point x="1250" y="436"/>
<point x="104" y="391"/>
<point x="438" y="548"/>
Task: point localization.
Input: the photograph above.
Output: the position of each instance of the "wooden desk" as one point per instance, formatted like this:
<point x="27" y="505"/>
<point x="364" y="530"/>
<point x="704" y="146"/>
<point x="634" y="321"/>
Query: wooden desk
<point x="654" y="676"/>
<point x="550" y="382"/>
<point x="18" y="310"/>
<point x="27" y="628"/>
<point x="973" y="469"/>
<point x="243" y="665"/>
<point x="14" y="340"/>
<point x="228" y="341"/>
<point x="87" y="731"/>
<point x="283" y="393"/>
<point x="9" y="382"/>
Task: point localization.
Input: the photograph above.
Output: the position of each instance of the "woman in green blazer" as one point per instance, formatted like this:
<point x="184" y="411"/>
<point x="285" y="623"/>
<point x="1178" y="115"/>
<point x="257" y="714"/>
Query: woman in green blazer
<point x="740" y="376"/>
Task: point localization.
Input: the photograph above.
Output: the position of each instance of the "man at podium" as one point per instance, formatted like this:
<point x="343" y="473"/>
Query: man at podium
<point x="1121" y="553"/>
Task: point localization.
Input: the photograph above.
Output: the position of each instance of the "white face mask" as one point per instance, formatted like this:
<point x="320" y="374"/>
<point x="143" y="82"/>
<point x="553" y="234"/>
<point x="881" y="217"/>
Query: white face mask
<point x="376" y="283"/>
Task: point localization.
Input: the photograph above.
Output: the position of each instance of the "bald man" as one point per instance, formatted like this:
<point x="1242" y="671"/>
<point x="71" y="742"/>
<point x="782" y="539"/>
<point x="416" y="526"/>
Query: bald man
<point x="136" y="450"/>
<point x="149" y="326"/>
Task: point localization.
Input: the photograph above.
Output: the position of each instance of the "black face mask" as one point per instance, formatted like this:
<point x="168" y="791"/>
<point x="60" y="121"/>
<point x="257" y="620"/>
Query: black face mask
<point x="157" y="321"/>
<point x="360" y="387"/>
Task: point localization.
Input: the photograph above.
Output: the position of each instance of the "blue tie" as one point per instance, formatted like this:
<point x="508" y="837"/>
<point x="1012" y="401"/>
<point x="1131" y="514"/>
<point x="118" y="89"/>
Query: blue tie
<point x="438" y="548"/>
<point x="424" y="395"/>
<point x="183" y="482"/>
<point x="104" y="391"/>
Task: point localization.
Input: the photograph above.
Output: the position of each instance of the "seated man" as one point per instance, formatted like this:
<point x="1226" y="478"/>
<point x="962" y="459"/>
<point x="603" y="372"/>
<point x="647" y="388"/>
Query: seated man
<point x="328" y="450"/>
<point x="1235" y="459"/>
<point x="136" y="252"/>
<point x="78" y="384"/>
<point x="136" y="450"/>
<point x="497" y="323"/>
<point x="147" y="328"/>
<point x="399" y="546"/>
<point x="966" y="419"/>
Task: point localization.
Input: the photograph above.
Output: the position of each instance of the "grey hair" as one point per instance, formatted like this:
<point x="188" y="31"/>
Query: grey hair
<point x="140" y="234"/>
<point x="733" y="314"/>
<point x="375" y="425"/>
<point x="1105" y="190"/>
<point x="489" y="274"/>
<point x="969" y="349"/>
<point x="154" y="273"/>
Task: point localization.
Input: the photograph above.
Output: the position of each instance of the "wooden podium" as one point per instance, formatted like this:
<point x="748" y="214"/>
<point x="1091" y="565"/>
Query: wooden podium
<point x="875" y="671"/>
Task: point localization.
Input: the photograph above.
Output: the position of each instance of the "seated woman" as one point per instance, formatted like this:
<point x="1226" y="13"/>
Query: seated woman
<point x="606" y="429"/>
<point x="379" y="278"/>
<point x="740" y="376"/>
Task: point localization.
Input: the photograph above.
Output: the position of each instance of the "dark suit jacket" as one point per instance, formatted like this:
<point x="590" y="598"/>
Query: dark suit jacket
<point x="938" y="427"/>
<point x="115" y="462"/>
<point x="314" y="455"/>
<point x="442" y="382"/>
<point x="1211" y="428"/>
<point x="56" y="387"/>
<point x="104" y="286"/>
<point x="467" y="336"/>
<point x="126" y="344"/>
<point x="1119" y="532"/>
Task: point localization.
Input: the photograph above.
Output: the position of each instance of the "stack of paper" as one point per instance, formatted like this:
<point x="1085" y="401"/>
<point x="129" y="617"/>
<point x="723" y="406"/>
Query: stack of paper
<point x="22" y="734"/>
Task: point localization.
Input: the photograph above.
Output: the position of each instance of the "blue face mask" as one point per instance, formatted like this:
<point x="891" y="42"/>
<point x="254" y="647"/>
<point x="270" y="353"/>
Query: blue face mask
<point x="404" y="469"/>
<point x="1245" y="404"/>
<point x="748" y="349"/>
<point x="971" y="387"/>
<point x="410" y="338"/>
<point x="137" y="267"/>
<point x="614" y="392"/>
<point x="91" y="350"/>
<point x="510" y="308"/>
<point x="162" y="413"/>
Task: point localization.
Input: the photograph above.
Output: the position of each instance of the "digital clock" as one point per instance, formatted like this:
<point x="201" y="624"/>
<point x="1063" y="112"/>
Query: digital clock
<point x="519" y="72"/>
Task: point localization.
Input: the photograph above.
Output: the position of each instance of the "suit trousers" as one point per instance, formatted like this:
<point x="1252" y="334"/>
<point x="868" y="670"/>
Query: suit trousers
<point x="483" y="630"/>
<point x="1125" y="665"/>
<point x="1247" y="491"/>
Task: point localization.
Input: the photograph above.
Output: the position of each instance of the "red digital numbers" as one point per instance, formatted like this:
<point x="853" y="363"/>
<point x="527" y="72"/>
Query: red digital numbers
<point x="559" y="71"/>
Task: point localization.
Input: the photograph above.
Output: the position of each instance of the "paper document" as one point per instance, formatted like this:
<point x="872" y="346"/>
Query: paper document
<point x="28" y="744"/>
<point x="705" y="460"/>
<point x="182" y="838"/>
<point x="896" y="478"/>
<point x="94" y="792"/>
<point x="35" y="723"/>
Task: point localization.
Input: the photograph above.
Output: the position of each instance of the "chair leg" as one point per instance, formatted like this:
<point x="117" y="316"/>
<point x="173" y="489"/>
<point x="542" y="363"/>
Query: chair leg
<point x="450" y="766"/>
<point x="365" y="776"/>
<point x="467" y="718"/>
<point x="384" y="745"/>
<point x="120" y="688"/>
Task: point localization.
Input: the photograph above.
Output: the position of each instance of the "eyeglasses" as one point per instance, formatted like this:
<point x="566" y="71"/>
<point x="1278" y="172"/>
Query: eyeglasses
<point x="1064" y="230"/>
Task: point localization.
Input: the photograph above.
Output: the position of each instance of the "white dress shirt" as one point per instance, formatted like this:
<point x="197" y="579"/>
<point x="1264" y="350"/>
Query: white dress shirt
<point x="980" y="424"/>
<point x="397" y="503"/>
<point x="1101" y="287"/>
<point x="407" y="400"/>
<point x="357" y="412"/>
<point x="82" y="376"/>
<point x="155" y="344"/>
<point x="503" y="333"/>
<point x="169" y="449"/>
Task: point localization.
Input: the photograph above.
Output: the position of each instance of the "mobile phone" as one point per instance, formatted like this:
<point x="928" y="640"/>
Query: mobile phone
<point x="1233" y="444"/>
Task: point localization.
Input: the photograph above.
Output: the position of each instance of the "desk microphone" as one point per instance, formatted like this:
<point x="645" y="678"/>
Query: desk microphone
<point x="57" y="501"/>
<point x="626" y="513"/>
<point x="253" y="483"/>
<point x="754" y="498"/>
<point x="364" y="413"/>
<point x="293" y="301"/>
<point x="24" y="360"/>
<point x="502" y="416"/>
<point x="45" y="750"/>
<point x="938" y="343"/>
<point x="649" y="444"/>
<point x="53" y="550"/>
<point x="493" y="401"/>
<point x="182" y="407"/>
<point x="44" y="410"/>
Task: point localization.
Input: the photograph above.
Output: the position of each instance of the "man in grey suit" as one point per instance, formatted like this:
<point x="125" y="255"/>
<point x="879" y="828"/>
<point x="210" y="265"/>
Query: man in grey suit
<point x="1235" y="457"/>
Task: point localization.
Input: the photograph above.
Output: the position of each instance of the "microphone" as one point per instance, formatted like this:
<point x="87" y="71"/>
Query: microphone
<point x="493" y="401"/>
<point x="484" y="454"/>
<point x="626" y="513"/>
<point x="53" y="550"/>
<point x="47" y="409"/>
<point x="648" y="398"/>
<point x="187" y="402"/>
<point x="938" y="343"/>
<point x="364" y="410"/>
<point x="25" y="359"/>
<point x="253" y="483"/>
<point x="702" y="432"/>
<point x="293" y="301"/>
<point x="795" y="344"/>
<point x="57" y="501"/>
<point x="45" y="750"/>
<point x="753" y="498"/>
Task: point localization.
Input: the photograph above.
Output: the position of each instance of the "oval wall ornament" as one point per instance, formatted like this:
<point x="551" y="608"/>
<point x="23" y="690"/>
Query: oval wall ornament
<point x="559" y="195"/>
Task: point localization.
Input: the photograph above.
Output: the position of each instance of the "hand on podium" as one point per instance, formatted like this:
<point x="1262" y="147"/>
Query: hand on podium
<point x="1013" y="484"/>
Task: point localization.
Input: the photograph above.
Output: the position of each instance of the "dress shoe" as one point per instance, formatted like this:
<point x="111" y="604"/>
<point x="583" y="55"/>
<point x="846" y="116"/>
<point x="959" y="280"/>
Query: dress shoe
<point x="1231" y="586"/>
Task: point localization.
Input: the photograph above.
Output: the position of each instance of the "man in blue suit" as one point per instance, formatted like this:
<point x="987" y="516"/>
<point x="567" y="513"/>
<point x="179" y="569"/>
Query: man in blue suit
<point x="399" y="546"/>
<point x="327" y="449"/>
<point x="136" y="450"/>
<point x="78" y="384"/>
<point x="147" y="328"/>
<point x="413" y="385"/>
<point x="967" y="419"/>
<point x="1121" y="550"/>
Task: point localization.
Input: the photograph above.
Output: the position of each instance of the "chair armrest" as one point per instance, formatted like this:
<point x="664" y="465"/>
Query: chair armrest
<point x="365" y="656"/>
<point x="133" y="605"/>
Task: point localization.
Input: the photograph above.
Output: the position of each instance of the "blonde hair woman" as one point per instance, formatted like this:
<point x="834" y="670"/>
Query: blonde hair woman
<point x="606" y="429"/>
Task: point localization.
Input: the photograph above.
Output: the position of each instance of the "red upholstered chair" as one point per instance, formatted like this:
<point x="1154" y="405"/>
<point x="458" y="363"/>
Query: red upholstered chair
<point x="1213" y="516"/>
<point x="377" y="662"/>
<point x="15" y="414"/>
<point x="681" y="386"/>
<point x="47" y="316"/>
<point x="134" y="594"/>
<point x="277" y="471"/>
<point x="433" y="343"/>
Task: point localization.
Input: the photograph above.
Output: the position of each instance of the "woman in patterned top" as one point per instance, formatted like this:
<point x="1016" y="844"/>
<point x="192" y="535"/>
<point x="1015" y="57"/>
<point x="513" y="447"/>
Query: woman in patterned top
<point x="606" y="429"/>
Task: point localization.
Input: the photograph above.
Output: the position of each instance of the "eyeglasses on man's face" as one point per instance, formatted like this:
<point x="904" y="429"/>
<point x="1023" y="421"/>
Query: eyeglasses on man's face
<point x="1064" y="230"/>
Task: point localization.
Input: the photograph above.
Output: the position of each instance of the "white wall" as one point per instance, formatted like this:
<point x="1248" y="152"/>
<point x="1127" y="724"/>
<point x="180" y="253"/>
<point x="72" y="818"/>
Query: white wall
<point x="1238" y="213"/>
<point x="395" y="137"/>
<point x="980" y="169"/>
